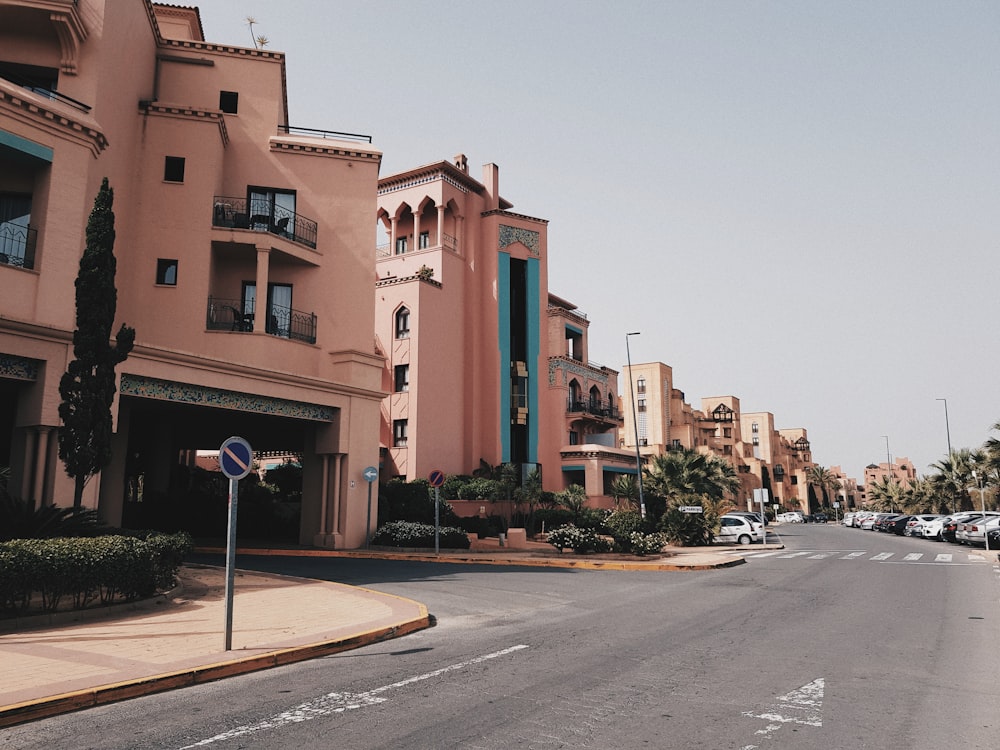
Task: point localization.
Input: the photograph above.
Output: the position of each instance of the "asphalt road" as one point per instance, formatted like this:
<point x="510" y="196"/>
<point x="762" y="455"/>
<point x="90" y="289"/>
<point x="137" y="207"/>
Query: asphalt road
<point x="819" y="646"/>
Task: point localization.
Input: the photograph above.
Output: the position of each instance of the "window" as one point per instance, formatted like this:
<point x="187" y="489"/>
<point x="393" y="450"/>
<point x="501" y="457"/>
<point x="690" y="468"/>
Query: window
<point x="756" y="440"/>
<point x="166" y="272"/>
<point x="754" y="428"/>
<point x="403" y="323"/>
<point x="640" y="385"/>
<point x="399" y="433"/>
<point x="574" y="437"/>
<point x="795" y="479"/>
<point x="401" y="378"/>
<point x="17" y="237"/>
<point x="272" y="208"/>
<point x="229" y="101"/>
<point x="727" y="432"/>
<point x="676" y="444"/>
<point x="642" y="404"/>
<point x="424" y="241"/>
<point x="400" y="245"/>
<point x="173" y="169"/>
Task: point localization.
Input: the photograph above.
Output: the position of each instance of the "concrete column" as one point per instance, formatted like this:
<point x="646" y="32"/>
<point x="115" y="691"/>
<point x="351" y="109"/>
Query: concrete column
<point x="393" y="223"/>
<point x="440" y="237"/>
<point x="41" y="460"/>
<point x="260" y="306"/>
<point x="416" y="230"/>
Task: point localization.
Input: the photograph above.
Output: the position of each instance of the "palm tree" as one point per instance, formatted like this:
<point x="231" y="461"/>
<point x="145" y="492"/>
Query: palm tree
<point x="886" y="495"/>
<point x="624" y="487"/>
<point x="823" y="478"/>
<point x="686" y="472"/>
<point x="954" y="478"/>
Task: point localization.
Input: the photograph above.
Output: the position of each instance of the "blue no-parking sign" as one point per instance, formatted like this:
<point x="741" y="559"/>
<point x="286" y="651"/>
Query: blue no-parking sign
<point x="235" y="458"/>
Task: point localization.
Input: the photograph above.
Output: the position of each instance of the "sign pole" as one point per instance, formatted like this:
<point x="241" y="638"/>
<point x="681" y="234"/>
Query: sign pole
<point x="370" y="474"/>
<point x="234" y="494"/>
<point x="437" y="521"/>
<point x="235" y="460"/>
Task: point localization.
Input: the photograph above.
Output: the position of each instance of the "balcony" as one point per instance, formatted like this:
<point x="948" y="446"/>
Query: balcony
<point x="283" y="322"/>
<point x="17" y="245"/>
<point x="594" y="408"/>
<point x="263" y="216"/>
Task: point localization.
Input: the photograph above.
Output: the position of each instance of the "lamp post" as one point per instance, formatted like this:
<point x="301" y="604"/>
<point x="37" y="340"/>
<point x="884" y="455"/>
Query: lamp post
<point x="635" y="424"/>
<point x="982" y="499"/>
<point x="888" y="464"/>
<point x="947" y="432"/>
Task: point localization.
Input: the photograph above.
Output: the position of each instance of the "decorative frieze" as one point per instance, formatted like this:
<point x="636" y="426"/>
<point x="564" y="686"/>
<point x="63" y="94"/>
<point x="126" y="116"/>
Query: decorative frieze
<point x="19" y="368"/>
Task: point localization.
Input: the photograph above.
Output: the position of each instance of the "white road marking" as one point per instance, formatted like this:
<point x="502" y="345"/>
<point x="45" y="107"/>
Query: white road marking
<point x="852" y="555"/>
<point x="913" y="556"/>
<point x="820" y="556"/>
<point x="881" y="556"/>
<point x="807" y="701"/>
<point x="333" y="703"/>
<point x="944" y="557"/>
<point x="793" y="554"/>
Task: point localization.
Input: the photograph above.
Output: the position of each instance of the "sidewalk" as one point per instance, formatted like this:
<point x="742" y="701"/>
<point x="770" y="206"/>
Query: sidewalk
<point x="72" y="660"/>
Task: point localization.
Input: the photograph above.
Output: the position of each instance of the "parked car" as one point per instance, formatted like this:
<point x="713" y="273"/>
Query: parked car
<point x="950" y="527"/>
<point x="869" y="521"/>
<point x="896" y="525"/>
<point x="748" y="514"/>
<point x="882" y="519"/>
<point x="974" y="530"/>
<point x="793" y="517"/>
<point x="993" y="535"/>
<point x="860" y="518"/>
<point x="932" y="529"/>
<point x="848" y="519"/>
<point x="819" y="518"/>
<point x="740" y="529"/>
<point x="914" y="527"/>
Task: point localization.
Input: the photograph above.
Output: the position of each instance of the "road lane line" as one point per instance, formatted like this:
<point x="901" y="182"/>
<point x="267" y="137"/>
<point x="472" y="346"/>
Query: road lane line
<point x="913" y="556"/>
<point x="852" y="555"/>
<point x="333" y="703"/>
<point x="882" y="556"/>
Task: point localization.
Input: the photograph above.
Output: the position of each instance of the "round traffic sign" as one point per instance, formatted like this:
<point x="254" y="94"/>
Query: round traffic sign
<point x="370" y="474"/>
<point x="235" y="458"/>
<point x="436" y="478"/>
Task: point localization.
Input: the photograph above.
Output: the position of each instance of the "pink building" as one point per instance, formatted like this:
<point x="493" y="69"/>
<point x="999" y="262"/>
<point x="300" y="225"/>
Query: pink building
<point x="243" y="249"/>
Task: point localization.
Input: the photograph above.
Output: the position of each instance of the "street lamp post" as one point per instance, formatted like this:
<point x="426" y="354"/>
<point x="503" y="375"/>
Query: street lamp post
<point x="947" y="432"/>
<point x="982" y="499"/>
<point x="888" y="465"/>
<point x="635" y="424"/>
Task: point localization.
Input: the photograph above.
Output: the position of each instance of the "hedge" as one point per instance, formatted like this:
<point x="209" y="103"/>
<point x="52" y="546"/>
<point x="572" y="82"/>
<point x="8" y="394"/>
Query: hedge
<point x="407" y="534"/>
<point x="109" y="568"/>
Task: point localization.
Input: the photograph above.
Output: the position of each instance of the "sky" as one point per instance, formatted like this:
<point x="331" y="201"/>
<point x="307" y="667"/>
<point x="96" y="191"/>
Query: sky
<point x="793" y="202"/>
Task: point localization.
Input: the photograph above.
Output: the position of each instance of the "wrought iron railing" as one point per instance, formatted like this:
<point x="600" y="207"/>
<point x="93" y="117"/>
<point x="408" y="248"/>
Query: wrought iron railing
<point x="261" y="214"/>
<point x="17" y="245"/>
<point x="284" y="322"/>
<point x="293" y="130"/>
<point x="597" y="408"/>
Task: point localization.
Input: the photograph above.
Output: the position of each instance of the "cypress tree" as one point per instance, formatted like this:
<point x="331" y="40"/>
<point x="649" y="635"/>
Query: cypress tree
<point x="87" y="387"/>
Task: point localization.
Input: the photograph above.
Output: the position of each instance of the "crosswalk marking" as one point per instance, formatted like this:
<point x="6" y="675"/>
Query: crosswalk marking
<point x="793" y="554"/>
<point x="820" y="556"/>
<point x="882" y="556"/>
<point x="852" y="555"/>
<point x="913" y="556"/>
<point x="944" y="557"/>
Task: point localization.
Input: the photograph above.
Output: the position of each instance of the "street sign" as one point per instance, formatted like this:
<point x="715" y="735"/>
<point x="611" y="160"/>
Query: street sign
<point x="436" y="478"/>
<point x="370" y="474"/>
<point x="691" y="509"/>
<point x="235" y="458"/>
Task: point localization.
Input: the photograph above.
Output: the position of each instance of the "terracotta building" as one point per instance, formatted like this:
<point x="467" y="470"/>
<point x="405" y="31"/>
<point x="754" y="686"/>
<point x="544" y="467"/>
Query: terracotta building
<point x="243" y="248"/>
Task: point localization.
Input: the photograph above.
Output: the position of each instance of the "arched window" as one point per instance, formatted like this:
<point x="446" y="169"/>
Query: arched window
<point x="574" y="391"/>
<point x="402" y="323"/>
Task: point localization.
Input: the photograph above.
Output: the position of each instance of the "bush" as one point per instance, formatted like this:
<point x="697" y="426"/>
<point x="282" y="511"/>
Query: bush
<point x="581" y="541"/>
<point x="646" y="544"/>
<point x="407" y="534"/>
<point x="686" y="529"/>
<point x="622" y="523"/>
<point x="20" y="519"/>
<point x="109" y="567"/>
<point x="484" y="527"/>
<point x="413" y="501"/>
<point x="552" y="518"/>
<point x="479" y="488"/>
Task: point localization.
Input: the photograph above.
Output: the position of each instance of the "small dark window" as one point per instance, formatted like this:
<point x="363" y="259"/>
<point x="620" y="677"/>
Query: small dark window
<point x="229" y="101"/>
<point x="402" y="378"/>
<point x="173" y="169"/>
<point x="399" y="429"/>
<point x="425" y="240"/>
<point x="166" y="272"/>
<point x="403" y="323"/>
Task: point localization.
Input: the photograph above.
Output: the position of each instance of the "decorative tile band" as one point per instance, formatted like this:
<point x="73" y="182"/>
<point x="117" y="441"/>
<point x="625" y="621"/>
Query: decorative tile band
<point x="19" y="368"/>
<point x="168" y="390"/>
<point x="509" y="235"/>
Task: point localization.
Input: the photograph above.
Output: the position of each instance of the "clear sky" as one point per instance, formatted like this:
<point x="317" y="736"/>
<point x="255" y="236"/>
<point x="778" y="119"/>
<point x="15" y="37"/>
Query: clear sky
<point x="794" y="202"/>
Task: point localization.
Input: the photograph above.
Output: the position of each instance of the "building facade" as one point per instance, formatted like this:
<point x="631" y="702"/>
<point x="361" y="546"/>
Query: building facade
<point x="243" y="252"/>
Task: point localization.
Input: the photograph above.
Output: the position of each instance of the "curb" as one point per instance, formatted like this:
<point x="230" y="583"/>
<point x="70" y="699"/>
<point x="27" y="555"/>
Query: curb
<point x="42" y="708"/>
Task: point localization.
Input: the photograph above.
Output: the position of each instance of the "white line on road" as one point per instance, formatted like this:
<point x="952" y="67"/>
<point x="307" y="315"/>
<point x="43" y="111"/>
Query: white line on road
<point x="882" y="556"/>
<point x="945" y="557"/>
<point x="913" y="556"/>
<point x="852" y="555"/>
<point x="333" y="703"/>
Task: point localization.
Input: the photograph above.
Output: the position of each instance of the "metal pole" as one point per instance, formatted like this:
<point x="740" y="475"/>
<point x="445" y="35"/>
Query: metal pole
<point x="368" y="525"/>
<point x="635" y="424"/>
<point x="982" y="499"/>
<point x="947" y="430"/>
<point x="437" y="521"/>
<point x="231" y="560"/>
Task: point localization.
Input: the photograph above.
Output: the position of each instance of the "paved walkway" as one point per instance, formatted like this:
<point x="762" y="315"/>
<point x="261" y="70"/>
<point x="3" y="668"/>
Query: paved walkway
<point x="54" y="664"/>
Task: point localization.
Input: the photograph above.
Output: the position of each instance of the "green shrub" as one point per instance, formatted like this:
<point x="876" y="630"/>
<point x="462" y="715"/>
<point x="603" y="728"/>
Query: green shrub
<point x="407" y="534"/>
<point x="646" y="544"/>
<point x="622" y="523"/>
<point x="686" y="529"/>
<point x="20" y="519"/>
<point x="552" y="518"/>
<point x="109" y="567"/>
<point x="581" y="541"/>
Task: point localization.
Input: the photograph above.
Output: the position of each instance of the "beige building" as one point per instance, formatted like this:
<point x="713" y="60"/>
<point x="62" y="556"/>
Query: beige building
<point x="243" y="248"/>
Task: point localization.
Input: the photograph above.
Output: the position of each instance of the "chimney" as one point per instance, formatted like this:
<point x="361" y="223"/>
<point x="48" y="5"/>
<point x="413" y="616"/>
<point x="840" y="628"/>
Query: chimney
<point x="491" y="180"/>
<point x="462" y="163"/>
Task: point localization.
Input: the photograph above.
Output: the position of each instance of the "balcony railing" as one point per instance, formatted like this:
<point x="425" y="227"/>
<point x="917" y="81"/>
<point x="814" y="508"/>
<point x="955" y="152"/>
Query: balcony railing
<point x="284" y="322"/>
<point x="596" y="408"/>
<point x="264" y="216"/>
<point x="17" y="245"/>
<point x="294" y="130"/>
